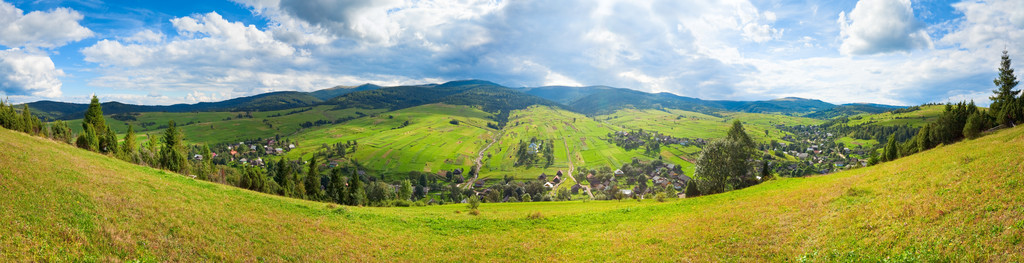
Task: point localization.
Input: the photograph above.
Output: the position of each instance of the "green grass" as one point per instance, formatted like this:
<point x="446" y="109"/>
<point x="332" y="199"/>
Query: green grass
<point x="430" y="142"/>
<point x="961" y="202"/>
<point x="212" y="128"/>
<point x="577" y="138"/>
<point x="918" y="118"/>
<point x="686" y="124"/>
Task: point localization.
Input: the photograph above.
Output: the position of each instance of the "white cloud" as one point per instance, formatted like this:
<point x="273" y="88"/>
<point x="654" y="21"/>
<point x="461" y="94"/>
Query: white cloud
<point x="145" y="36"/>
<point x="881" y="26"/>
<point x="25" y="73"/>
<point x="47" y="29"/>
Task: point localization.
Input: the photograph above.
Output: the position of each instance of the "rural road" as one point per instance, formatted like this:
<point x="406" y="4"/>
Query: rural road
<point x="479" y="160"/>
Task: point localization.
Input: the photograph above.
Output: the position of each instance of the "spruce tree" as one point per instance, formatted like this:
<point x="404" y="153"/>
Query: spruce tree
<point x="1005" y="96"/>
<point x="94" y="115"/>
<point x="313" y="186"/>
<point x="891" y="150"/>
<point x="27" y="125"/>
<point x="975" y="125"/>
<point x="129" y="147"/>
<point x="172" y="155"/>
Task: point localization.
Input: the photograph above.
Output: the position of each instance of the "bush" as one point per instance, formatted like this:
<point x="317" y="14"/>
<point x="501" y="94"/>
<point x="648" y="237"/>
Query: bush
<point x="660" y="197"/>
<point x="473" y="203"/>
<point x="535" y="216"/>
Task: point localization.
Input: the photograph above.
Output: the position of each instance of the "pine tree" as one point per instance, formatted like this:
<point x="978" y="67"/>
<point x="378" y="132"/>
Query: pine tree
<point x="27" y="125"/>
<point x="357" y="193"/>
<point x="172" y="155"/>
<point x="88" y="140"/>
<point x="313" y="186"/>
<point x="108" y="142"/>
<point x="94" y="115"/>
<point x="891" y="150"/>
<point x="1005" y="95"/>
<point x="129" y="147"/>
<point x="975" y="125"/>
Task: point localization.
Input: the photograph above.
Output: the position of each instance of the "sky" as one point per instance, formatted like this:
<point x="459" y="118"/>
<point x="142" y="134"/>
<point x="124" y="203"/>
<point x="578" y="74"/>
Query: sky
<point x="898" y="52"/>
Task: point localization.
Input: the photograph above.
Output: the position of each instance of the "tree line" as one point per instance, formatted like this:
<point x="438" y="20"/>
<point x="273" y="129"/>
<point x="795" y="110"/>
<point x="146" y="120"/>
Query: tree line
<point x="965" y="120"/>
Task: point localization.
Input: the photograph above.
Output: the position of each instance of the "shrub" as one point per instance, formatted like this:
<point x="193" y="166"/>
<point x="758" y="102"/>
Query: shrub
<point x="535" y="216"/>
<point x="473" y="203"/>
<point x="660" y="197"/>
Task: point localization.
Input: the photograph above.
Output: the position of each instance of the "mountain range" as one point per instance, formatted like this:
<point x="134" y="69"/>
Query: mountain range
<point x="491" y="97"/>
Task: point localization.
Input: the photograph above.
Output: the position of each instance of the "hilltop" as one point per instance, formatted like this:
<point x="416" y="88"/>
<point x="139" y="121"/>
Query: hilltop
<point x="592" y="100"/>
<point x="960" y="202"/>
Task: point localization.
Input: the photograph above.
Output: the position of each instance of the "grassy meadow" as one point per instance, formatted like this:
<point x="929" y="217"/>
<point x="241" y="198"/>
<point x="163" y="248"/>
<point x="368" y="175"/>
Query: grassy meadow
<point x="223" y="127"/>
<point x="918" y="118"/>
<point x="429" y="143"/>
<point x="961" y="202"/>
<point x="578" y="140"/>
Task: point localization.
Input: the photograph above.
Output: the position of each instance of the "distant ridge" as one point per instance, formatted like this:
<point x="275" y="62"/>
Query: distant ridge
<point x="591" y="100"/>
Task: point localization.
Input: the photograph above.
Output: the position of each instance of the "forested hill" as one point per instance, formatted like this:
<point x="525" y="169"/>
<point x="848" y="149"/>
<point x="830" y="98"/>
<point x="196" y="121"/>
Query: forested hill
<point x="491" y="97"/>
<point x="262" y="102"/>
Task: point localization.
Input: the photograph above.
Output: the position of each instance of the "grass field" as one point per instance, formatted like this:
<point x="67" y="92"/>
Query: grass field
<point x="577" y="139"/>
<point x="918" y="118"/>
<point x="430" y="142"/>
<point x="961" y="202"/>
<point x="212" y="127"/>
<point x="686" y="124"/>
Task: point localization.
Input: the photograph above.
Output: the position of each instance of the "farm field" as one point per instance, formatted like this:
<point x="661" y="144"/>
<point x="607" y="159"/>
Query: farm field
<point x="686" y="124"/>
<point x="577" y="138"/>
<point x="225" y="127"/>
<point x="918" y="118"/>
<point x="960" y="202"/>
<point x="429" y="143"/>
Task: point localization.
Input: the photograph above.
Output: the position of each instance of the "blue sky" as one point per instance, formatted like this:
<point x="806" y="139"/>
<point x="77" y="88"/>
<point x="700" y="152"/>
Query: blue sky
<point x="163" y="52"/>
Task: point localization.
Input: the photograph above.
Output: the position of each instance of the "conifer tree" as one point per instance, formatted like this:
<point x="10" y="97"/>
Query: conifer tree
<point x="27" y="125"/>
<point x="312" y="182"/>
<point x="60" y="131"/>
<point x="129" y="147"/>
<point x="1005" y="104"/>
<point x="357" y="193"/>
<point x="172" y="154"/>
<point x="88" y="140"/>
<point x="891" y="150"/>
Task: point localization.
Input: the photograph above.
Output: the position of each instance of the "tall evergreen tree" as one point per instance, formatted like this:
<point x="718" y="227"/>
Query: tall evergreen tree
<point x="108" y="141"/>
<point x="27" y="123"/>
<point x="313" y="187"/>
<point x="94" y="115"/>
<point x="88" y="140"/>
<point x="1005" y="97"/>
<point x="129" y="147"/>
<point x="891" y="149"/>
<point x="357" y="192"/>
<point x="172" y="155"/>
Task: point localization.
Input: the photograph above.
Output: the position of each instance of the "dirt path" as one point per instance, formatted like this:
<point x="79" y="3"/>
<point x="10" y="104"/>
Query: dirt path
<point x="479" y="159"/>
<point x="571" y="168"/>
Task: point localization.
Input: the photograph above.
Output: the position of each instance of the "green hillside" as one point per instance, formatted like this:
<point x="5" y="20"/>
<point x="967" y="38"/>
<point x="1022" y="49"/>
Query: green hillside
<point x="962" y="202"/>
<point x="915" y="118"/>
<point x="429" y="143"/>
<point x="223" y="127"/>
